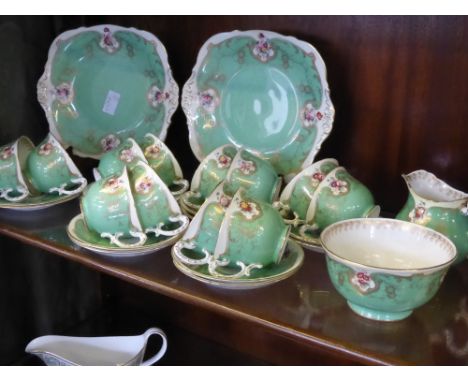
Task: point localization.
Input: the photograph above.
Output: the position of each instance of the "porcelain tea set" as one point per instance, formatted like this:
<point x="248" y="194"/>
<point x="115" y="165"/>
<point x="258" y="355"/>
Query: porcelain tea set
<point x="37" y="177"/>
<point x="258" y="109"/>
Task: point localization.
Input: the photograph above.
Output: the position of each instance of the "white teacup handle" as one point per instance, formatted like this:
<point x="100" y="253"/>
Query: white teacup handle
<point x="184" y="185"/>
<point x="184" y="220"/>
<point x="115" y="239"/>
<point x="62" y="191"/>
<point x="180" y="245"/>
<point x="284" y="210"/>
<point x="96" y="174"/>
<point x="24" y="192"/>
<point x="244" y="269"/>
<point x="161" y="351"/>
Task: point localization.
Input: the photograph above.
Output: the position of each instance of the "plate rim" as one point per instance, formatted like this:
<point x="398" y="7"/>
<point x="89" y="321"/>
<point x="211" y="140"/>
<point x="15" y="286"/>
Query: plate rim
<point x="117" y="252"/>
<point x="38" y="206"/>
<point x="242" y="284"/>
<point x="44" y="85"/>
<point x="190" y="89"/>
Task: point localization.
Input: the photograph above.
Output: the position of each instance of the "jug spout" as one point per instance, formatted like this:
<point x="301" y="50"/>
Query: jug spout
<point x="426" y="187"/>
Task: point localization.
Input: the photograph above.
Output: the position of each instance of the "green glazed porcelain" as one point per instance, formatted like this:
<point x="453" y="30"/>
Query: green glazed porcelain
<point x="14" y="186"/>
<point x="252" y="235"/>
<point x="255" y="175"/>
<point x="202" y="234"/>
<point x="106" y="83"/>
<point x="298" y="193"/>
<point x="338" y="197"/>
<point x="155" y="205"/>
<point x="82" y="236"/>
<point x="109" y="209"/>
<point x="386" y="268"/>
<point x="51" y="170"/>
<point x="260" y="91"/>
<point x="434" y="204"/>
<point x="36" y="202"/>
<point x="127" y="154"/>
<point x="161" y="160"/>
<point x="290" y="263"/>
<point x="211" y="172"/>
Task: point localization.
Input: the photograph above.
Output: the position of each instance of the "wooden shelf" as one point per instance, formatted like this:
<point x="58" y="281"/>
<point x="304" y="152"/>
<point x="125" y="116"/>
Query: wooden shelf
<point x="304" y="309"/>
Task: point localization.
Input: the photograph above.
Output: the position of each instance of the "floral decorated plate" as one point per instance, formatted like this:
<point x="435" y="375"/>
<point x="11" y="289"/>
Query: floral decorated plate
<point x="262" y="91"/>
<point x="105" y="83"/>
<point x="290" y="263"/>
<point x="85" y="238"/>
<point x="37" y="202"/>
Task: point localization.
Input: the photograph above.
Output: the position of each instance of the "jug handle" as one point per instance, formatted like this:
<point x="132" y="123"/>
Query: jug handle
<point x="161" y="351"/>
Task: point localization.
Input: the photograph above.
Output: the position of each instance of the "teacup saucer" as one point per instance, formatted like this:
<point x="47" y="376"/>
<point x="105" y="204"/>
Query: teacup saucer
<point x="85" y="238"/>
<point x="38" y="202"/>
<point x="309" y="241"/>
<point x="291" y="261"/>
<point x="186" y="210"/>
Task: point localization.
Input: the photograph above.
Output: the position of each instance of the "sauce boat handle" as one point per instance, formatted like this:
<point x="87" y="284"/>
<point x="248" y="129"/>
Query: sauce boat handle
<point x="161" y="351"/>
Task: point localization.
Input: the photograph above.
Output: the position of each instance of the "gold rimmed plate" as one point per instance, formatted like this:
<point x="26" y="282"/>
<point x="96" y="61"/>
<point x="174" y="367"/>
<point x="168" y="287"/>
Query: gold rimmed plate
<point x="308" y="241"/>
<point x="290" y="263"/>
<point x="82" y="236"/>
<point x="38" y="202"/>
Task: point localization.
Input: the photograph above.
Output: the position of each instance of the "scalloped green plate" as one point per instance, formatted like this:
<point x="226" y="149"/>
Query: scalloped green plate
<point x="104" y="84"/>
<point x="262" y="91"/>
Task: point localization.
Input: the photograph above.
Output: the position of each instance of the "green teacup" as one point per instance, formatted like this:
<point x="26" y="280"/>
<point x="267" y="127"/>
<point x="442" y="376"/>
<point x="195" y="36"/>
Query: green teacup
<point x="50" y="169"/>
<point x="14" y="186"/>
<point x="157" y="209"/>
<point x="161" y="160"/>
<point x="256" y="176"/>
<point x="338" y="197"/>
<point x="211" y="171"/>
<point x="252" y="235"/>
<point x="298" y="193"/>
<point x="202" y="233"/>
<point x="109" y="209"/>
<point x="128" y="153"/>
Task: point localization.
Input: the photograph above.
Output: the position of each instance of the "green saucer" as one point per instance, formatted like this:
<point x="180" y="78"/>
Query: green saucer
<point x="37" y="202"/>
<point x="91" y="240"/>
<point x="308" y="241"/>
<point x="290" y="263"/>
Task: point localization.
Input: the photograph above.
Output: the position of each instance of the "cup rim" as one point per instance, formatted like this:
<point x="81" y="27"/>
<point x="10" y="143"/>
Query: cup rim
<point x="197" y="175"/>
<point x="289" y="188"/>
<point x="175" y="164"/>
<point x="335" y="256"/>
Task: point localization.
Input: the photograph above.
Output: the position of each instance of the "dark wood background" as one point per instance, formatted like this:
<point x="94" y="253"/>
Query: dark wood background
<point x="399" y="86"/>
